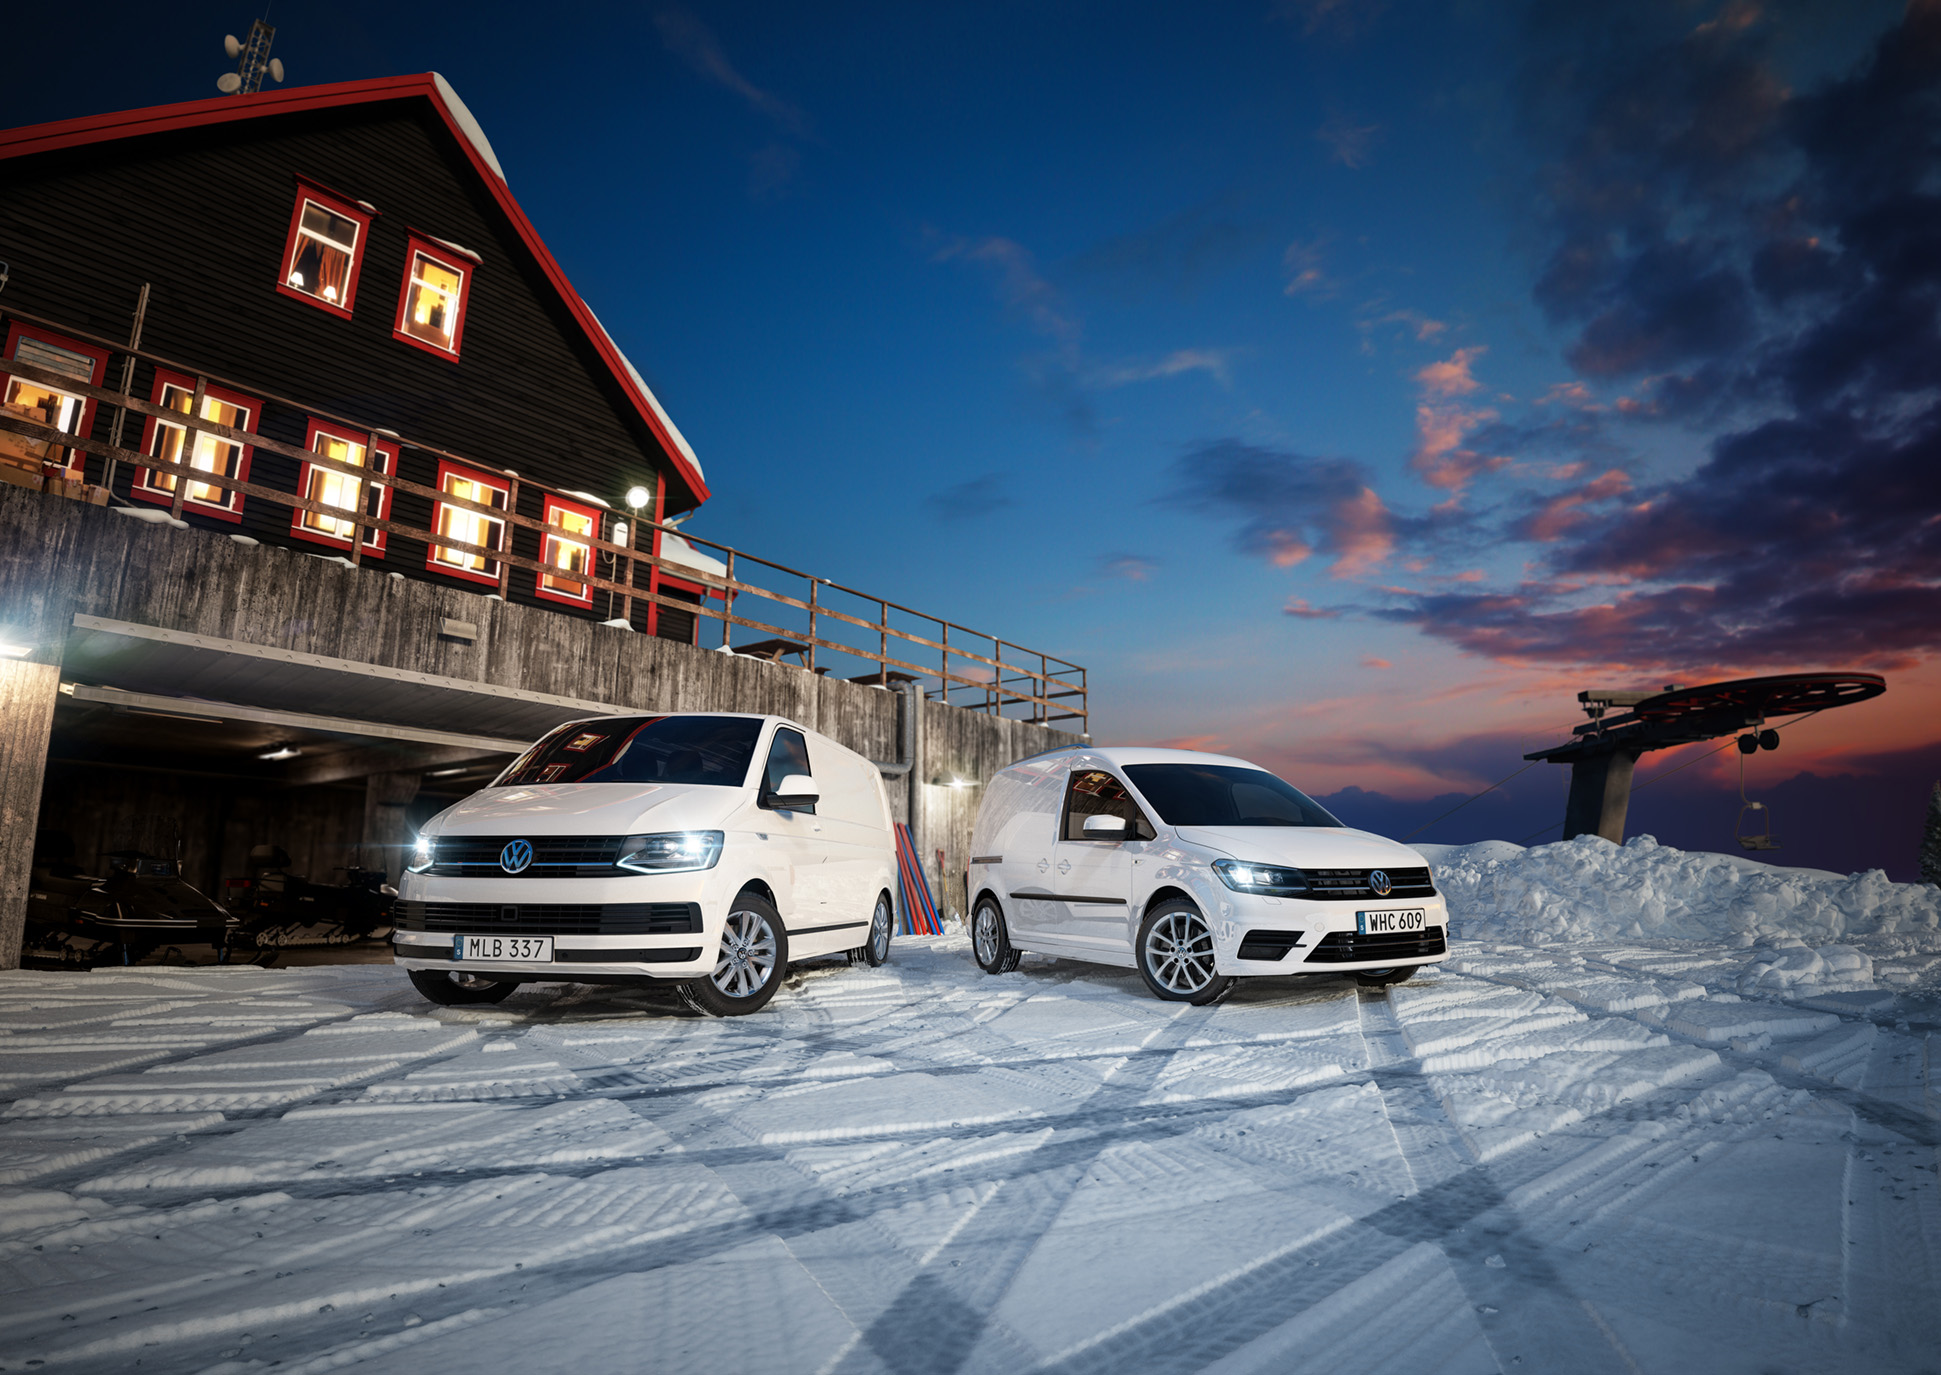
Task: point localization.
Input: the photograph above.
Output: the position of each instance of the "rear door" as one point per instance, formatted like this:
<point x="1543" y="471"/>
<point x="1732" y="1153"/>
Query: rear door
<point x="1093" y="878"/>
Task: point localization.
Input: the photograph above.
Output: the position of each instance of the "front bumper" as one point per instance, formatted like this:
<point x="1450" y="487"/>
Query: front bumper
<point x="648" y="927"/>
<point x="1321" y="937"/>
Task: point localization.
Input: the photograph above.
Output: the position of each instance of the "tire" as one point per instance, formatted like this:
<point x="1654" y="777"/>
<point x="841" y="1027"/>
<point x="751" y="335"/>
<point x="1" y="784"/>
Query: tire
<point x="990" y="941"/>
<point x="876" y="950"/>
<point x="1176" y="955"/>
<point x="754" y="960"/>
<point x="1382" y="978"/>
<point x="455" y="988"/>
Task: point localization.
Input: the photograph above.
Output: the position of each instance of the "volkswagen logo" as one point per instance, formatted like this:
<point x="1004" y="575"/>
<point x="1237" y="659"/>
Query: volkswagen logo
<point x="517" y="855"/>
<point x="1378" y="880"/>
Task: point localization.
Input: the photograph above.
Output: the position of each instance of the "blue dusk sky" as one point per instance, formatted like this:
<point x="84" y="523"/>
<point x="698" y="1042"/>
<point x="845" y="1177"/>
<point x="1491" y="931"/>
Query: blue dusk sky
<point x="1344" y="384"/>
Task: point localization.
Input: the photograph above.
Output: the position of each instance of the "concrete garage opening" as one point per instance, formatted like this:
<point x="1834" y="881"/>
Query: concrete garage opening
<point x="199" y="750"/>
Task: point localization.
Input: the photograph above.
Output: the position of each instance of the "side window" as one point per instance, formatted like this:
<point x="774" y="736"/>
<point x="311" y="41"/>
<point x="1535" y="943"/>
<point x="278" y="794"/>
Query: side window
<point x="1093" y="792"/>
<point x="789" y="754"/>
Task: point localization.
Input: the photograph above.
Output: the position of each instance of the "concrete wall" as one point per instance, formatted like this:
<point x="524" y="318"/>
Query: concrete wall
<point x="61" y="557"/>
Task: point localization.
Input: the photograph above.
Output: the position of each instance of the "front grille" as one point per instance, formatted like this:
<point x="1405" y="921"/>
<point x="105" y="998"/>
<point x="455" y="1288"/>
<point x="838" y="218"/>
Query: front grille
<point x="550" y="918"/>
<point x="1268" y="945"/>
<point x="680" y="956"/>
<point x="1351" y="885"/>
<point x="1345" y="947"/>
<point x="552" y="856"/>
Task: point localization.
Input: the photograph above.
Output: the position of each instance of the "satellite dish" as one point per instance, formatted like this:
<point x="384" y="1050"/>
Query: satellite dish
<point x="276" y="68"/>
<point x="229" y="83"/>
<point x="231" y="45"/>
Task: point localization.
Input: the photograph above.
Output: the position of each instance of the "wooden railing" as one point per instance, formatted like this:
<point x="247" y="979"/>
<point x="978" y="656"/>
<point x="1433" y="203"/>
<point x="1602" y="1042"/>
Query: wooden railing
<point x="961" y="673"/>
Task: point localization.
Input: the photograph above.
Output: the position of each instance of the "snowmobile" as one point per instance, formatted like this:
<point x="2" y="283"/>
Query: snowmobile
<point x="143" y="905"/>
<point x="278" y="909"/>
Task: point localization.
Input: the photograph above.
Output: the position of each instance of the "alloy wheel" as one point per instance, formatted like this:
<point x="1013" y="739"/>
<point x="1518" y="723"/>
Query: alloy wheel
<point x="1179" y="953"/>
<point x="747" y="959"/>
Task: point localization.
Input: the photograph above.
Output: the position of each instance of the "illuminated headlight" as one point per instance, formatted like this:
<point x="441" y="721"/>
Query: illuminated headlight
<point x="670" y="852"/>
<point x="1264" y="879"/>
<point x="423" y="855"/>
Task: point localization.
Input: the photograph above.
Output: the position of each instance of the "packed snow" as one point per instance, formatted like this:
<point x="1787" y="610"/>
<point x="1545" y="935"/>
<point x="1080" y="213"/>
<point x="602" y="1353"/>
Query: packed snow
<point x="1601" y="1138"/>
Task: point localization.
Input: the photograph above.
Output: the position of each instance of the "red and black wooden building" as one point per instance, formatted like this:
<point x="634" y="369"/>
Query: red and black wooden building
<point x="336" y="251"/>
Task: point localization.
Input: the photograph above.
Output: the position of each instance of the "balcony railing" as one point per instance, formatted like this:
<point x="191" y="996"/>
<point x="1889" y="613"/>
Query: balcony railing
<point x="827" y="620"/>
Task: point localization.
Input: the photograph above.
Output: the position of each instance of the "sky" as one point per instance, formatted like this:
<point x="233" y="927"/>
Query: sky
<point x="1344" y="384"/>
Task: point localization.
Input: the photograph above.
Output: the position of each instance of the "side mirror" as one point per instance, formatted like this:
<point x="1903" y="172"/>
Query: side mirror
<point x="797" y="790"/>
<point x="1105" y="828"/>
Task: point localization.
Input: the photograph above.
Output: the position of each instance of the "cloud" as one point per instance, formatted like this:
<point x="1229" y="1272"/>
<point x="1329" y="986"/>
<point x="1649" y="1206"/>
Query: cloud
<point x="972" y="499"/>
<point x="772" y="170"/>
<point x="1342" y="19"/>
<point x="1024" y="289"/>
<point x="1289" y="506"/>
<point x="1213" y="362"/>
<point x="1766" y="264"/>
<point x="1131" y="567"/>
<point x="1299" y="608"/>
<point x="1370" y="661"/>
<point x="1351" y="144"/>
<point x="1304" y="275"/>
<point x="1443" y="458"/>
<point x="1179" y="253"/>
<point x="693" y="42"/>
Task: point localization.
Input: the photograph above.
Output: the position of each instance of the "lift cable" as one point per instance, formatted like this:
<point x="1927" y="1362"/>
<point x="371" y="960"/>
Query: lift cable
<point x="1467" y="800"/>
<point x="1730" y="741"/>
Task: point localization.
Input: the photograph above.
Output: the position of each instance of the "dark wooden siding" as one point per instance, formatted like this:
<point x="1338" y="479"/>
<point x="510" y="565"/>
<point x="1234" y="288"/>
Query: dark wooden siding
<point x="202" y="215"/>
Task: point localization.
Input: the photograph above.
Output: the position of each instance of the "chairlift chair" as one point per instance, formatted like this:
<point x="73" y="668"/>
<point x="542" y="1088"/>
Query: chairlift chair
<point x="1762" y="839"/>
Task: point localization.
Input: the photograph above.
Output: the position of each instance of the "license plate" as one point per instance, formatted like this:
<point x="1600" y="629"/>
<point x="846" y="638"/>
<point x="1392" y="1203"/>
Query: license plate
<point x="1390" y="923"/>
<point x="519" y="949"/>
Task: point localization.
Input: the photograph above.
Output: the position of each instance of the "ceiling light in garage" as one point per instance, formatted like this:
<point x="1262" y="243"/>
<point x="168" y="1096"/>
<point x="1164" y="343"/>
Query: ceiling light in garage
<point x="281" y="752"/>
<point x="10" y="650"/>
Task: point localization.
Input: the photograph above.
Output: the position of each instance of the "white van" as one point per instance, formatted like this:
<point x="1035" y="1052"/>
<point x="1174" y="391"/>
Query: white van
<point x="704" y="850"/>
<point x="1194" y="869"/>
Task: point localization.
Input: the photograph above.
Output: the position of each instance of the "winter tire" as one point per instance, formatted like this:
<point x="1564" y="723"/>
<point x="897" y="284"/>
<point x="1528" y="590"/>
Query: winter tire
<point x="1382" y="978"/>
<point x="1176" y="955"/>
<point x="751" y="965"/>
<point x="455" y="987"/>
<point x="876" y="950"/>
<point x="990" y="942"/>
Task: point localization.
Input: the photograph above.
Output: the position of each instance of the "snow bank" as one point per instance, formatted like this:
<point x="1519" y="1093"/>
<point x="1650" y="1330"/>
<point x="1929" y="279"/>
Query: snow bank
<point x="1799" y="932"/>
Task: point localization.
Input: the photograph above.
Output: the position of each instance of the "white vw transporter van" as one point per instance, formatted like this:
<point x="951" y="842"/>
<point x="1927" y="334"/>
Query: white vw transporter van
<point x="706" y="851"/>
<point x="1193" y="868"/>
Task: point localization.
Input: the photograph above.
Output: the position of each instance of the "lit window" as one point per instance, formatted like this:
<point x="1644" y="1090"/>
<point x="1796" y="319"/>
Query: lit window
<point x="325" y="248"/>
<point x="467" y="526"/>
<point x="212" y="453"/>
<point x="431" y="309"/>
<point x="345" y="491"/>
<point x="46" y="404"/>
<point x="570" y="533"/>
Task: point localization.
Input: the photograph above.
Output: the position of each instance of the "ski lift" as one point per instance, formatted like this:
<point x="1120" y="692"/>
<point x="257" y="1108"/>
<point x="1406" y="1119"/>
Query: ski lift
<point x="1750" y="743"/>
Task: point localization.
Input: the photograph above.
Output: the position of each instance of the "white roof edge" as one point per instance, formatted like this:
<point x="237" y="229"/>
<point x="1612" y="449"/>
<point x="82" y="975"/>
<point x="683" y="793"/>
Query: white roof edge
<point x="673" y="430"/>
<point x="675" y="549"/>
<point x="468" y="125"/>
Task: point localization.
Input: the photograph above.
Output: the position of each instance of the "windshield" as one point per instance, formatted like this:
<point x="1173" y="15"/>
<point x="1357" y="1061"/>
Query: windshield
<point x="1224" y="795"/>
<point x="642" y="749"/>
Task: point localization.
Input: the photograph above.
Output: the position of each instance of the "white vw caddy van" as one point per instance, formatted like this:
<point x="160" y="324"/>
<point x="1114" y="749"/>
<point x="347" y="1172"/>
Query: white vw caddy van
<point x="1193" y="868"/>
<point x="706" y="851"/>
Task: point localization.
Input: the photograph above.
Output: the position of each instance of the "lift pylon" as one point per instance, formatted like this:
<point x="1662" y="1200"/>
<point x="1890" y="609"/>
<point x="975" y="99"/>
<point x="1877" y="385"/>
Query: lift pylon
<point x="1604" y="752"/>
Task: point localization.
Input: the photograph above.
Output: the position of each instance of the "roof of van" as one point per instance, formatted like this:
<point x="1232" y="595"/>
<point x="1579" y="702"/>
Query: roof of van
<point x="1147" y="754"/>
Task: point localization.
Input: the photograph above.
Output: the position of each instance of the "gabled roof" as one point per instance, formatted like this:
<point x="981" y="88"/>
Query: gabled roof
<point x="429" y="86"/>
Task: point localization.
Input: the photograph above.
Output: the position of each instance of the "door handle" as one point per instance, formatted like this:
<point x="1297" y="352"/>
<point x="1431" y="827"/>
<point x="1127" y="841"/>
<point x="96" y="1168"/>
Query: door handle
<point x="1043" y="865"/>
<point x="1064" y="866"/>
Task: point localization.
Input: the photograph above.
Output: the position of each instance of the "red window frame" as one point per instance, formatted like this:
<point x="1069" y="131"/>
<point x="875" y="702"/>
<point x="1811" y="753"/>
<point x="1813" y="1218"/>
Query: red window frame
<point x="84" y="427"/>
<point x="146" y="485"/>
<point x="501" y="483"/>
<point x="381" y="461"/>
<point x="308" y="190"/>
<point x="452" y="261"/>
<point x="546" y="539"/>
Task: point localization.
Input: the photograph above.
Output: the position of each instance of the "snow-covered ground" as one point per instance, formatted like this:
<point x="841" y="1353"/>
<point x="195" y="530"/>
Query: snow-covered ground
<point x="1660" y="1113"/>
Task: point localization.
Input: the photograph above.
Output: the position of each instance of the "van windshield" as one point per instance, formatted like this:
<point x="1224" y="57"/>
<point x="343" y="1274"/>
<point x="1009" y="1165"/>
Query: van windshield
<point x="642" y="749"/>
<point x="1224" y="795"/>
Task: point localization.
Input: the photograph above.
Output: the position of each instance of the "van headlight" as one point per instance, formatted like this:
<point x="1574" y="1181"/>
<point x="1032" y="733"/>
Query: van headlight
<point x="1264" y="879"/>
<point x="670" y="852"/>
<point x="424" y="854"/>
